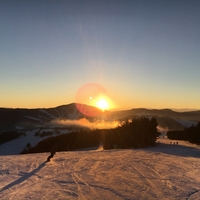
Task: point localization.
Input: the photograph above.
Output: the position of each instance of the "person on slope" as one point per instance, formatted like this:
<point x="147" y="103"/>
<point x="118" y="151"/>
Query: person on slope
<point x="53" y="152"/>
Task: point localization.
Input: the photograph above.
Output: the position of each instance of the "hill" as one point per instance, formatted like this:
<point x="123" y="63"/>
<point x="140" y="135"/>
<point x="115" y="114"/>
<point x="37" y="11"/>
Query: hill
<point x="34" y="125"/>
<point x="29" y="119"/>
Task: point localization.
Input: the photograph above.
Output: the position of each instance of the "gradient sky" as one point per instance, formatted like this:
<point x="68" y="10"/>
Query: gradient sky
<point x="144" y="53"/>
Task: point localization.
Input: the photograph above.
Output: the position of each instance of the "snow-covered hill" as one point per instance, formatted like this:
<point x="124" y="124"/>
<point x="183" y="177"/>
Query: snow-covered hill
<point x="162" y="172"/>
<point x="17" y="145"/>
<point x="28" y="119"/>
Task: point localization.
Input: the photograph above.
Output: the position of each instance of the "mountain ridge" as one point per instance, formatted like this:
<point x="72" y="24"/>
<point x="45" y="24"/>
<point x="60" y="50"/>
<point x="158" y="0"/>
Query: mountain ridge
<point x="13" y="118"/>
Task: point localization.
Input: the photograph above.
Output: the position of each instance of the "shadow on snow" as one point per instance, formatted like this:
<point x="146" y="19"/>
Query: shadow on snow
<point x="23" y="178"/>
<point x="176" y="150"/>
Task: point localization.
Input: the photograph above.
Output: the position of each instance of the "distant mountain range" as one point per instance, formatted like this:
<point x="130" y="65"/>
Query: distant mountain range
<point x="26" y="119"/>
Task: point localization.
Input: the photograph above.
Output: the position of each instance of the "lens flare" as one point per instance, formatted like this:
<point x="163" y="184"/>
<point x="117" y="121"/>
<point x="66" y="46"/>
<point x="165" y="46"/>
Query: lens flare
<point x="94" y="95"/>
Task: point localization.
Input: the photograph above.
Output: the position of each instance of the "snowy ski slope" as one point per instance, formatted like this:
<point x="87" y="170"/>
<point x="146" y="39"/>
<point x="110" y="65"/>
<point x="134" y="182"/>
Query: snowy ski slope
<point x="162" y="172"/>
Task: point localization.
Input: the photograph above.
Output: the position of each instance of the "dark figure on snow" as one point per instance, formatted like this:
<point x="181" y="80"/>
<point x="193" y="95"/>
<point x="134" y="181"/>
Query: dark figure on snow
<point x="53" y="152"/>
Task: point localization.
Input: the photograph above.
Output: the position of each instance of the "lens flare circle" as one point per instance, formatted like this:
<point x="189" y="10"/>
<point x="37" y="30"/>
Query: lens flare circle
<point x="94" y="95"/>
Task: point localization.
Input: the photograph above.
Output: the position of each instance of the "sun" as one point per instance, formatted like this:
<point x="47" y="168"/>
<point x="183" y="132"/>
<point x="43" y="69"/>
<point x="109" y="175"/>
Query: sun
<point x="93" y="95"/>
<point x="102" y="104"/>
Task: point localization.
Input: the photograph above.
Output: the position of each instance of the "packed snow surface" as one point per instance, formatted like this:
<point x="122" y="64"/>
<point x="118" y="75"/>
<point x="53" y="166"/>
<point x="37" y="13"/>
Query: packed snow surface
<point x="166" y="171"/>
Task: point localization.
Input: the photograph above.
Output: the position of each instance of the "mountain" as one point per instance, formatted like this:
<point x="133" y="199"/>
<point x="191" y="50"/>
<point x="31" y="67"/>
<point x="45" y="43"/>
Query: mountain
<point x="166" y="118"/>
<point x="192" y="115"/>
<point x="38" y="124"/>
<point x="27" y="119"/>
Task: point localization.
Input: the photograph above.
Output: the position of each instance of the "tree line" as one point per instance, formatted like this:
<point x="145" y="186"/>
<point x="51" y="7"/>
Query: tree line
<point x="10" y="135"/>
<point x="191" y="134"/>
<point x="137" y="133"/>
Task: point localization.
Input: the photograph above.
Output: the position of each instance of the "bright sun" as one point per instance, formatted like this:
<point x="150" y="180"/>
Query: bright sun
<point x="102" y="104"/>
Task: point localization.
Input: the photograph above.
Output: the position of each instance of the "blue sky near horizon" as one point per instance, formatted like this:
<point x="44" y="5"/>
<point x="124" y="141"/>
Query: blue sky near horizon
<point x="144" y="53"/>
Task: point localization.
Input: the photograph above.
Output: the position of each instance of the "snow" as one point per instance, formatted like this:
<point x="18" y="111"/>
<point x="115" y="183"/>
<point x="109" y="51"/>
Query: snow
<point x="59" y="115"/>
<point x="19" y="127"/>
<point x="162" y="172"/>
<point x="16" y="146"/>
<point x="33" y="118"/>
<point x="21" y="142"/>
<point x="50" y="115"/>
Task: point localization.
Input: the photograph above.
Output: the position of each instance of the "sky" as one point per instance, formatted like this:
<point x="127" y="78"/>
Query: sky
<point x="142" y="53"/>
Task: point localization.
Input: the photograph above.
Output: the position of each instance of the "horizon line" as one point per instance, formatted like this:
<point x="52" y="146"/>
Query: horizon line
<point x="112" y="110"/>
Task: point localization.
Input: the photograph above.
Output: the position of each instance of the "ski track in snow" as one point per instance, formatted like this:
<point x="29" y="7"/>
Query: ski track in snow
<point x="162" y="172"/>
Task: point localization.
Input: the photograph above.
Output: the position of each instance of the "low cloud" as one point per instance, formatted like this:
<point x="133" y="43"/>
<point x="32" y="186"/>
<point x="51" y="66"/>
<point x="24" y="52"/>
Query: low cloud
<point x="97" y="124"/>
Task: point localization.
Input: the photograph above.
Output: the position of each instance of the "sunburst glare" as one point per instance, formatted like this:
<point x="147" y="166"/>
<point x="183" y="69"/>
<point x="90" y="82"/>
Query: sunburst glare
<point x="102" y="104"/>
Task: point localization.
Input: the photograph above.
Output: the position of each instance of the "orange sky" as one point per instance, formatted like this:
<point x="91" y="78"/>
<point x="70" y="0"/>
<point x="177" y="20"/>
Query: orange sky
<point x="143" y="53"/>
